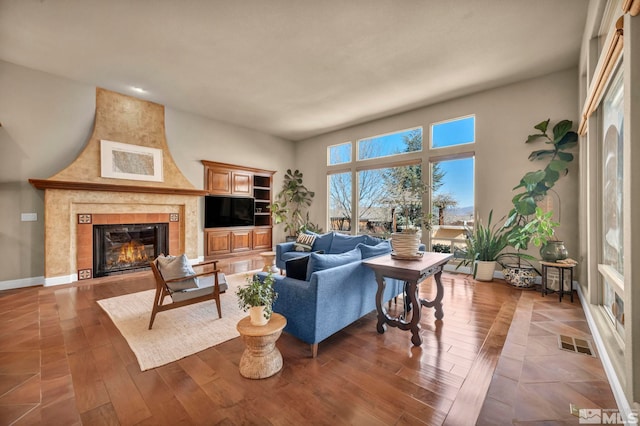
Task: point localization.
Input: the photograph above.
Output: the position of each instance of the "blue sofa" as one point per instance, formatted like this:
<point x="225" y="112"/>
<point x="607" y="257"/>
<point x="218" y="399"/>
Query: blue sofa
<point x="331" y="243"/>
<point x="337" y="290"/>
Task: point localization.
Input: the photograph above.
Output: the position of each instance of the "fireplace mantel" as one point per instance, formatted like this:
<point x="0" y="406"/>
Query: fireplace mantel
<point x="92" y="186"/>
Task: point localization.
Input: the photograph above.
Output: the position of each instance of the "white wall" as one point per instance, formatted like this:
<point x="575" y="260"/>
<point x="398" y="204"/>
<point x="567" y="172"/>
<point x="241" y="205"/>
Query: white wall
<point x="46" y="121"/>
<point x="504" y="118"/>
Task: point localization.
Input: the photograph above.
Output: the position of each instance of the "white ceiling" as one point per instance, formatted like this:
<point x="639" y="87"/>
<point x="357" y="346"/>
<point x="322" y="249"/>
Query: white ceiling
<point x="294" y="68"/>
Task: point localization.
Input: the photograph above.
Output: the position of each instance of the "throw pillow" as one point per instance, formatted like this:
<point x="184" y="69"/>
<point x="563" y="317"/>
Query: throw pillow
<point x="322" y="242"/>
<point x="372" y="251"/>
<point x="172" y="267"/>
<point x="320" y="262"/>
<point x="304" y="242"/>
<point x="297" y="268"/>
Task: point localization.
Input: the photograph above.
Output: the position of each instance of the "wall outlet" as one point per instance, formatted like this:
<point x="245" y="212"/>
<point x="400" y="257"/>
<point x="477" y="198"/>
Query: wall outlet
<point x="29" y="217"/>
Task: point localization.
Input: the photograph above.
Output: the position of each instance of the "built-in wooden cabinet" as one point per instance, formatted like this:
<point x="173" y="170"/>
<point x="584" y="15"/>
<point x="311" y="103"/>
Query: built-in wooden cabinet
<point x="234" y="180"/>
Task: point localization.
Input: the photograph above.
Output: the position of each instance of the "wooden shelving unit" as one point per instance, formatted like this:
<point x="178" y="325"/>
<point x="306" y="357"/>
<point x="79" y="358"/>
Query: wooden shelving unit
<point x="231" y="179"/>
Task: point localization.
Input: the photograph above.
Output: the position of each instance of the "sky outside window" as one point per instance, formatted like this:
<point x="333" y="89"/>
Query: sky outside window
<point x="454" y="132"/>
<point x="394" y="143"/>
<point x="458" y="180"/>
<point x="339" y="154"/>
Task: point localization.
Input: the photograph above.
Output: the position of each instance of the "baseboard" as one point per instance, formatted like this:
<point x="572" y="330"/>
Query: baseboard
<point x="63" y="279"/>
<point x="21" y="283"/>
<point x="624" y="407"/>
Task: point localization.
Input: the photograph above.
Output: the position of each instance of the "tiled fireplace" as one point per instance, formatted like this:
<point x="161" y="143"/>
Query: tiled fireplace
<point x="112" y="244"/>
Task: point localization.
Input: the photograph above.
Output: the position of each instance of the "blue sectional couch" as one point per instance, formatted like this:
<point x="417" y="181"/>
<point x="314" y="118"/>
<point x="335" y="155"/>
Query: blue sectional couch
<point x="337" y="290"/>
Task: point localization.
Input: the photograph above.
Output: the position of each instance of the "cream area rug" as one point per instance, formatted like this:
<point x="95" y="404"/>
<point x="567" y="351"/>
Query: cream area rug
<point x="176" y="333"/>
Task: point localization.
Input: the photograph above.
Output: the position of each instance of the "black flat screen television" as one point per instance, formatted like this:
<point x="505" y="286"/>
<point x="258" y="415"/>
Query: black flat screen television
<point x="221" y="211"/>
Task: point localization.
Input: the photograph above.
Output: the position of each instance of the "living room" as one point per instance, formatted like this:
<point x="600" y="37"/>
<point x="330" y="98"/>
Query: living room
<point x="63" y="106"/>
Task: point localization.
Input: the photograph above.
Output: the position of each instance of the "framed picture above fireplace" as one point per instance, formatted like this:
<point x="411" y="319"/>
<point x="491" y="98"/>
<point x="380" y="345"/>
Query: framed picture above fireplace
<point x="126" y="161"/>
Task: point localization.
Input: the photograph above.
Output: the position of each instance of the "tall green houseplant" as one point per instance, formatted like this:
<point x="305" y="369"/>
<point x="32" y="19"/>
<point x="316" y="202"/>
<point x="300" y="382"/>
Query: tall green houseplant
<point x="534" y="186"/>
<point x="525" y="222"/>
<point x="291" y="203"/>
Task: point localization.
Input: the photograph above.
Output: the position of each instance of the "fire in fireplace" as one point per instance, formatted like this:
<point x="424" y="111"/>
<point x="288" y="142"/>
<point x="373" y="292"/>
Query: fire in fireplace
<point x="124" y="248"/>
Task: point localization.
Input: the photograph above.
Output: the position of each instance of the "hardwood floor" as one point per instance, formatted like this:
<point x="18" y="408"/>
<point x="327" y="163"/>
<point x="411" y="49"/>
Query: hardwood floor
<point x="63" y="362"/>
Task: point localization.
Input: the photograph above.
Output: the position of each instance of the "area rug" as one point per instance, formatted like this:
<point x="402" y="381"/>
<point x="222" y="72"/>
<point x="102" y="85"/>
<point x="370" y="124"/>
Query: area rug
<point x="176" y="333"/>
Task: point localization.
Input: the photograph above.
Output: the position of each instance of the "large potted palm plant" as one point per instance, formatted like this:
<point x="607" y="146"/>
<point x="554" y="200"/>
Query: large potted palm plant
<point x="484" y="244"/>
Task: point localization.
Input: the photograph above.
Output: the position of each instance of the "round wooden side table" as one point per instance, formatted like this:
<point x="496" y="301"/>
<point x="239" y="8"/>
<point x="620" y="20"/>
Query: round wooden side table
<point x="261" y="358"/>
<point x="269" y="258"/>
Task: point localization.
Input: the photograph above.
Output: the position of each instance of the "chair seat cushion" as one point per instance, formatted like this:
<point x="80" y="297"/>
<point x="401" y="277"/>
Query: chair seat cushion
<point x="210" y="280"/>
<point x="172" y="267"/>
<point x="206" y="286"/>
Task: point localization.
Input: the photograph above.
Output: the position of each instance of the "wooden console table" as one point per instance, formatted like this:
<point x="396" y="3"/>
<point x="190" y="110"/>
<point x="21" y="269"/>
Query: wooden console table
<point x="412" y="272"/>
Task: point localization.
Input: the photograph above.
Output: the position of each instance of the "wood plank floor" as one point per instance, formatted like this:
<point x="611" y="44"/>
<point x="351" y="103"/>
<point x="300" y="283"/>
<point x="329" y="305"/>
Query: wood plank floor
<point x="63" y="362"/>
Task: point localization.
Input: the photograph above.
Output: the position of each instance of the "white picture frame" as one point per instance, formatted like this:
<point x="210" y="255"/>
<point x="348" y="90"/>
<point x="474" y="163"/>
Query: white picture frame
<point x="126" y="161"/>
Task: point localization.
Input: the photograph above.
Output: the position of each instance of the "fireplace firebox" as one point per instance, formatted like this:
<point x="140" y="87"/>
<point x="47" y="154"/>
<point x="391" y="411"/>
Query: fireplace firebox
<point x="124" y="248"/>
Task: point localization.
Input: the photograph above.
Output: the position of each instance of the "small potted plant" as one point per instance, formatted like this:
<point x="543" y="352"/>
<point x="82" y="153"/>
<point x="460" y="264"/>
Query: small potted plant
<point x="484" y="245"/>
<point x="257" y="297"/>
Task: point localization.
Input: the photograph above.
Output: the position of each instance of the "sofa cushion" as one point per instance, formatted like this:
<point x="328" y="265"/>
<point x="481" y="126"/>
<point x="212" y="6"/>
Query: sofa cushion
<point x="320" y="262"/>
<point x="322" y="242"/>
<point x="372" y="241"/>
<point x="368" y="251"/>
<point x="304" y="242"/>
<point x="342" y="243"/>
<point x="172" y="267"/>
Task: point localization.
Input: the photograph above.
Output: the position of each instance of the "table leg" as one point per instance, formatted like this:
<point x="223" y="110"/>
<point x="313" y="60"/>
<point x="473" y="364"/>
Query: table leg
<point x="571" y="283"/>
<point x="414" y="325"/>
<point x="561" y="285"/>
<point x="382" y="316"/>
<point x="437" y="302"/>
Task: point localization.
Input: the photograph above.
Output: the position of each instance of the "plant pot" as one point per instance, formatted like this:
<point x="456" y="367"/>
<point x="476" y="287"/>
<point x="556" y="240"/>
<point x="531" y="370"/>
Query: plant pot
<point x="519" y="276"/>
<point x="256" y="314"/>
<point x="483" y="270"/>
<point x="406" y="243"/>
<point x="553" y="251"/>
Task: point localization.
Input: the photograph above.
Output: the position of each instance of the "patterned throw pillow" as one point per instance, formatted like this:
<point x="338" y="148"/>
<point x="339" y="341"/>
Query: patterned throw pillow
<point x="304" y="242"/>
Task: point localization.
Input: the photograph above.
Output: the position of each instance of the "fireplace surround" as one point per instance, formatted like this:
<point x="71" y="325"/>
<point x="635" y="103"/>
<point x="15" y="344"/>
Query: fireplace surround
<point x="79" y="196"/>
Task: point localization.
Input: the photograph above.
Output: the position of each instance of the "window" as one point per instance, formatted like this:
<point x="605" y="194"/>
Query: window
<point x="340" y="154"/>
<point x="452" y="202"/>
<point x="389" y="199"/>
<point x="384" y="196"/>
<point x="340" y="202"/>
<point x="453" y="132"/>
<point x="390" y="144"/>
<point x="612" y="267"/>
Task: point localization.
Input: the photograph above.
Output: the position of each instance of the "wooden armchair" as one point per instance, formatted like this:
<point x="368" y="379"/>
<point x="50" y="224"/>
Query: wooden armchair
<point x="206" y="285"/>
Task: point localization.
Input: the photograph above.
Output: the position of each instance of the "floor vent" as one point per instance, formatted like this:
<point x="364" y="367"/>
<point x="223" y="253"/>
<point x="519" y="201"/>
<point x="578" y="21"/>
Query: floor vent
<point x="573" y="344"/>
